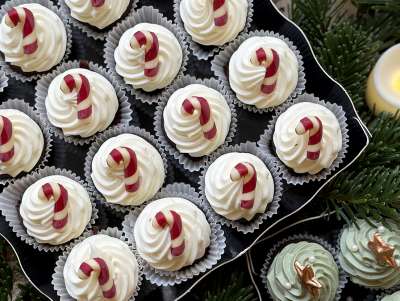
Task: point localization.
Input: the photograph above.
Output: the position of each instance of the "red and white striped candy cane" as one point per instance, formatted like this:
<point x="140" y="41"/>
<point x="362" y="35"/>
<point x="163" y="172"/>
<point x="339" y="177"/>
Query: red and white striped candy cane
<point x="245" y="171"/>
<point x="127" y="157"/>
<point x="98" y="3"/>
<point x="220" y="8"/>
<point x="57" y="193"/>
<point x="22" y="14"/>
<point x="206" y="120"/>
<point x="268" y="58"/>
<point x="81" y="84"/>
<point x="100" y="268"/>
<point x="149" y="41"/>
<point x="313" y="125"/>
<point x="6" y="140"/>
<point x="173" y="220"/>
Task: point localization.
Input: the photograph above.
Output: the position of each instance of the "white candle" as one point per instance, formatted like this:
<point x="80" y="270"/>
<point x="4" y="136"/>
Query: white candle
<point x="383" y="88"/>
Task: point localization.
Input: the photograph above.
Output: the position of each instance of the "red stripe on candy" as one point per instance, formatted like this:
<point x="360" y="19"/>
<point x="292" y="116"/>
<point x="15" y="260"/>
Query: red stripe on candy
<point x="13" y="15"/>
<point x="98" y="3"/>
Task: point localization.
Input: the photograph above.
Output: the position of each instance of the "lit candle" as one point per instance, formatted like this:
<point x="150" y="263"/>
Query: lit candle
<point x="383" y="88"/>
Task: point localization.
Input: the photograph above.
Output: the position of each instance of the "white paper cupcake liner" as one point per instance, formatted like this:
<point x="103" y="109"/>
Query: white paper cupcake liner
<point x="112" y="132"/>
<point x="186" y="160"/>
<point x="92" y="31"/>
<point x="19" y="74"/>
<point x="149" y="15"/>
<point x="58" y="275"/>
<point x="204" y="52"/>
<point x="213" y="253"/>
<point x="22" y="106"/>
<point x="297" y="238"/>
<point x="10" y="200"/>
<point x="272" y="208"/>
<point x="3" y="80"/>
<point x="266" y="144"/>
<point x="220" y="64"/>
<point x="123" y="116"/>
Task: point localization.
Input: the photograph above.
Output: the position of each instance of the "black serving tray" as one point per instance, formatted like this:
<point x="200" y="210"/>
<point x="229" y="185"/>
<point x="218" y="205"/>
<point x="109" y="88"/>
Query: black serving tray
<point x="38" y="266"/>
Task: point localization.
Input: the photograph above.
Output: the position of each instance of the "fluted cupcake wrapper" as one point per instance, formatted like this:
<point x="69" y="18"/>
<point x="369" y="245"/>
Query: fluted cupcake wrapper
<point x="122" y="117"/>
<point x="272" y="208"/>
<point x="297" y="238"/>
<point x="149" y="15"/>
<point x="10" y="200"/>
<point x="20" y="75"/>
<point x="22" y="106"/>
<point x="58" y="281"/>
<point x="112" y="132"/>
<point x="205" y="52"/>
<point x="187" y="162"/>
<point x="266" y="141"/>
<point x="3" y="80"/>
<point x="213" y="253"/>
<point x="92" y="31"/>
<point x="220" y="65"/>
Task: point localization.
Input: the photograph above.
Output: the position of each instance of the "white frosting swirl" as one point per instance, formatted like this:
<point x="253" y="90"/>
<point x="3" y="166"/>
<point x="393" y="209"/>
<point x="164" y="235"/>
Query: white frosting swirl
<point x="185" y="130"/>
<point x="154" y="243"/>
<point x="121" y="263"/>
<point x="246" y="78"/>
<point x="37" y="213"/>
<point x="291" y="148"/>
<point x="28" y="143"/>
<point x="198" y="19"/>
<point x="51" y="37"/>
<point x="224" y="195"/>
<point x="100" y="17"/>
<point x="130" y="62"/>
<point x="62" y="108"/>
<point x="110" y="183"/>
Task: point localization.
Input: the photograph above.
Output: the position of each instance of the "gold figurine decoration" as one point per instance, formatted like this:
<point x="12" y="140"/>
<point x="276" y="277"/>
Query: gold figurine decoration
<point x="307" y="278"/>
<point x="384" y="252"/>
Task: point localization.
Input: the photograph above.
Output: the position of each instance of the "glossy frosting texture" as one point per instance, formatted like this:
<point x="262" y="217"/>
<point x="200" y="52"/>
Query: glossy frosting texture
<point x="285" y="285"/>
<point x="185" y="131"/>
<point x="154" y="243"/>
<point x="291" y="148"/>
<point x="51" y="38"/>
<point x="110" y="183"/>
<point x="225" y="195"/>
<point x="121" y="262"/>
<point x="246" y="77"/>
<point x="38" y="213"/>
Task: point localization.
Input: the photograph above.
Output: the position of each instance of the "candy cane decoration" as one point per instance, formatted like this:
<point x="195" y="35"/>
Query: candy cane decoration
<point x="313" y="125"/>
<point x="206" y="120"/>
<point x="268" y="58"/>
<point x="81" y="84"/>
<point x="57" y="193"/>
<point x="174" y="221"/>
<point x="245" y="171"/>
<point x="6" y="140"/>
<point x="22" y="14"/>
<point x="98" y="3"/>
<point x="149" y="42"/>
<point x="100" y="268"/>
<point x="126" y="157"/>
<point x="220" y="9"/>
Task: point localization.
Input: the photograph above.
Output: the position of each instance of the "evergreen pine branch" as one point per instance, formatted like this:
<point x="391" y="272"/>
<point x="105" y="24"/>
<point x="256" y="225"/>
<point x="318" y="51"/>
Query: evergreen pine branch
<point x="391" y="6"/>
<point x="6" y="278"/>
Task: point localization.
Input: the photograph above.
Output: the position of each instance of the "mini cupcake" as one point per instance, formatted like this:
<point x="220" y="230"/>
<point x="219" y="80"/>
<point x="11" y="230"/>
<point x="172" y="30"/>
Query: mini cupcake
<point x="370" y="254"/>
<point x="393" y="297"/>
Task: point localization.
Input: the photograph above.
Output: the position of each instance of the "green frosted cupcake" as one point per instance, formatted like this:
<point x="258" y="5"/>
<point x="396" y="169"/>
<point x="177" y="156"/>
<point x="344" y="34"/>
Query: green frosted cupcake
<point x="392" y="297"/>
<point x="371" y="254"/>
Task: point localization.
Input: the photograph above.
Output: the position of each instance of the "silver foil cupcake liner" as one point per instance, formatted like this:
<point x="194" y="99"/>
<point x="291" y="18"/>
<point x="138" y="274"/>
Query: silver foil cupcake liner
<point x="58" y="275"/>
<point x="92" y="31"/>
<point x="112" y="132"/>
<point x="10" y="200"/>
<point x="191" y="164"/>
<point x="19" y="74"/>
<point x="297" y="238"/>
<point x="22" y="106"/>
<point x="204" y="52"/>
<point x="213" y="253"/>
<point x="266" y="141"/>
<point x="122" y="117"/>
<point x="272" y="208"/>
<point x="149" y="15"/>
<point x="220" y="64"/>
<point x="3" y="81"/>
